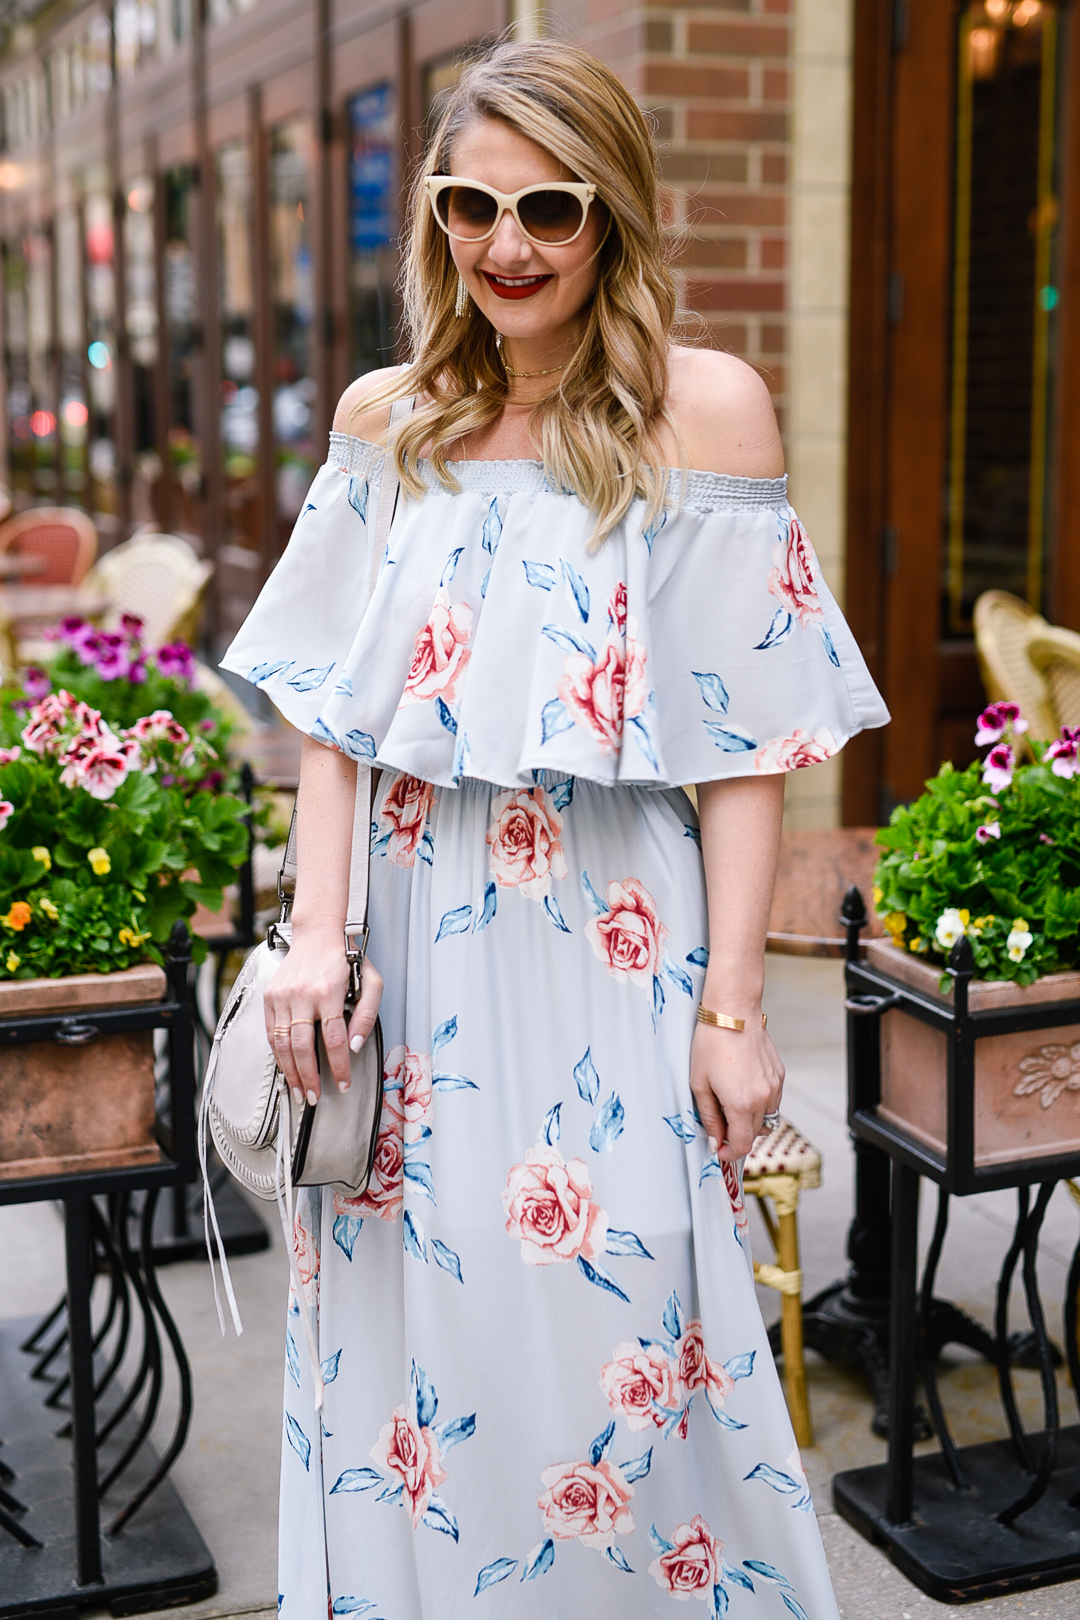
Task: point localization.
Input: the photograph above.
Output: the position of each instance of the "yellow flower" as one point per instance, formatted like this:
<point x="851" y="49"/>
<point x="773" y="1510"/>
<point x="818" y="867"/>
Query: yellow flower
<point x="100" y="861"/>
<point x="40" y="853"/>
<point x="918" y="945"/>
<point x="48" y="908"/>
<point x="877" y="894"/>
<point x="894" y="925"/>
<point x="18" y="916"/>
<point x="127" y="936"/>
<point x="1020" y="924"/>
<point x="965" y="915"/>
<point x="12" y="962"/>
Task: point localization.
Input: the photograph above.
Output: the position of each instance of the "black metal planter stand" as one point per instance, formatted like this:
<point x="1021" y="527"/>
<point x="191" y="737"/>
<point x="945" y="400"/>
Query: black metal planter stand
<point x="88" y="1515"/>
<point x="974" y="1521"/>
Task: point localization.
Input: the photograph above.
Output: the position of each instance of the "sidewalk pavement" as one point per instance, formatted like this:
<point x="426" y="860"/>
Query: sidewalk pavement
<point x="227" y="1474"/>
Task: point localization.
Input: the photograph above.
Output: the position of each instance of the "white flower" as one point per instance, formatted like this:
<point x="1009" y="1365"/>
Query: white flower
<point x="951" y="926"/>
<point x="1019" y="940"/>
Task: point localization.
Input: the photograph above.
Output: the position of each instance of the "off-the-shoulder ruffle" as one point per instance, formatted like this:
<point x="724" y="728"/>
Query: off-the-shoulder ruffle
<point x="496" y="645"/>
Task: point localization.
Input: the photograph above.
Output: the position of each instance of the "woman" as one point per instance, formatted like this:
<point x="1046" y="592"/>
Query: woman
<point x="549" y="1391"/>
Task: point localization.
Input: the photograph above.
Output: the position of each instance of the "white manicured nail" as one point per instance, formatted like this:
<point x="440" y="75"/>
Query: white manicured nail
<point x="355" y="1044"/>
<point x="312" y="1099"/>
<point x="343" y="1086"/>
<point x="712" y="1144"/>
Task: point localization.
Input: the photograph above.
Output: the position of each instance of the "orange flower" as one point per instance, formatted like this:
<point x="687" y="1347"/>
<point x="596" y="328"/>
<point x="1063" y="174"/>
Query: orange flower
<point x="18" y="916"/>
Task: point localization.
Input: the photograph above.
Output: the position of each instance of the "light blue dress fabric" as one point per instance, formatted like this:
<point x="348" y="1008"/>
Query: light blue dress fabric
<point x="549" y="1391"/>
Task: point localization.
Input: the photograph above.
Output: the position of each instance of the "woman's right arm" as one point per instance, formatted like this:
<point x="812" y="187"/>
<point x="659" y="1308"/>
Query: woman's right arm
<point x="311" y="983"/>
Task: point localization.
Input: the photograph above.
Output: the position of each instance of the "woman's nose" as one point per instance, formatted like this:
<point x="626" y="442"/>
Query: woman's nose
<point x="508" y="247"/>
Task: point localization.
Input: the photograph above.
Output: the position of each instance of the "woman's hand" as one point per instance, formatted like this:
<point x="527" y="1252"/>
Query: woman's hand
<point x="736" y="1077"/>
<point x="309" y="988"/>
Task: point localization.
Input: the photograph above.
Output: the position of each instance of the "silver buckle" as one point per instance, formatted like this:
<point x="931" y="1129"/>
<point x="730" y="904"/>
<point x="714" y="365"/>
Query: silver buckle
<point x="356" y="938"/>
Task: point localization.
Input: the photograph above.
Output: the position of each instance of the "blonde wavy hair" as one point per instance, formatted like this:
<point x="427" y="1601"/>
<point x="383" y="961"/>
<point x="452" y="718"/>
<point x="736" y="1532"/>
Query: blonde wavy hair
<point x="597" y="426"/>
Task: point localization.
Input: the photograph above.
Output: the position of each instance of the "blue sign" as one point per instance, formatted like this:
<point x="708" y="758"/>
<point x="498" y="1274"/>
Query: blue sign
<point x="371" y="169"/>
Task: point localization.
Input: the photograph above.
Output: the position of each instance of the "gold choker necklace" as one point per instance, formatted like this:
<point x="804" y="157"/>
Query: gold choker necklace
<point x="549" y="371"/>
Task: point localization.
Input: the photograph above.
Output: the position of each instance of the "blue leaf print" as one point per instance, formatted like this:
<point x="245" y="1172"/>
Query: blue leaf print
<point x="653" y="530"/>
<point x="381" y="845"/>
<point x="298" y="1439"/>
<point x="330" y="1367"/>
<point x="292" y="1358"/>
<point x="740" y="1366"/>
<point x="551" y="1129"/>
<point x="265" y="672"/>
<point x="451" y="567"/>
<point x="659" y="1542"/>
<point x="356" y="1479"/>
<point x="424" y="1401"/>
<point x="392" y="1495"/>
<point x="322" y="733"/>
<point x="551" y="906"/>
<point x="602" y="1445"/>
<point x="492" y="1574"/>
<point x="453" y="1082"/>
<point x="419" y="1173"/>
<point x="598" y="907"/>
<point x="344" y="687"/>
<point x="358" y="494"/>
<point x="720" y="1602"/>
<point x="618" y="1559"/>
<point x="685" y="1132"/>
<point x="439" y="1517"/>
<point x="626" y="1243"/>
<point x="577" y="588"/>
<point x="637" y="1468"/>
<point x="444" y="1034"/>
<point x="731" y="738"/>
<point x="711" y="1167"/>
<point x="446" y="1258"/>
<point x="722" y="1418"/>
<point x="728" y="1572"/>
<point x="601" y="1278"/>
<point x="713" y="691"/>
<point x="492" y="529"/>
<point x="773" y="1476"/>
<point x="792" y="1602"/>
<point x="768" y="1572"/>
<point x="699" y="957"/>
<point x="829" y="648"/>
<point x="554" y="717"/>
<point x="415" y="1241"/>
<point x="446" y="716"/>
<point x="310" y="507"/>
<point x="588" y="1081"/>
<point x="562" y="794"/>
<point x="676" y="975"/>
<point x="352" y="1605"/>
<point x="568" y="641"/>
<point x="426" y="847"/>
<point x="462" y="757"/>
<point x="673" y="1316"/>
<point x="360" y="744"/>
<point x="307" y="680"/>
<point x="542" y="575"/>
<point x="781" y="627"/>
<point x="690" y="831"/>
<point x="539" y="1561"/>
<point x="485" y="908"/>
<point x="454" y="1431"/>
<point x="608" y="1125"/>
<point x="484" y="583"/>
<point x="657" y="999"/>
<point x="455" y="922"/>
<point x="640" y="734"/>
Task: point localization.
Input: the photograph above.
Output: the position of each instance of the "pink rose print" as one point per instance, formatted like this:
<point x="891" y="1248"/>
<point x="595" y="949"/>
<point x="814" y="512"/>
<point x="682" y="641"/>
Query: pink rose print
<point x="692" y="1567"/>
<point x="548" y="1207"/>
<point x="410" y="1454"/>
<point x="586" y="1502"/>
<point x="792" y="576"/>
<point x="408" y="1082"/>
<point x="405" y="811"/>
<point x="524" y="851"/>
<point x="384" y="1192"/>
<point x="696" y="1370"/>
<point x="306" y="1250"/>
<point x="629" y="940"/>
<point x="792" y="753"/>
<point x="735" y="1193"/>
<point x="616" y="608"/>
<point x="639" y="1381"/>
<point x="593" y="693"/>
<point x="440" y="652"/>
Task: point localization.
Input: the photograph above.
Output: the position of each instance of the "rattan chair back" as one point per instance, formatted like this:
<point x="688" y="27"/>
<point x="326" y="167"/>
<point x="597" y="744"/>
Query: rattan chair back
<point x="1004" y="627"/>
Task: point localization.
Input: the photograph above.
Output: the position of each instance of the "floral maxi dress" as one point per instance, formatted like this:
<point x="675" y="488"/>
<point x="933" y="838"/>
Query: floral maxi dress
<point x="549" y="1392"/>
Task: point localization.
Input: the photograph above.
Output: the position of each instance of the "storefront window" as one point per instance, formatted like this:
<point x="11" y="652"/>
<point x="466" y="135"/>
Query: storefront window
<point x="74" y="413"/>
<point x="37" y="250"/>
<point x="239" y="395"/>
<point x="141" y="318"/>
<point x="292" y="304"/>
<point x="101" y="356"/>
<point x="20" y="402"/>
<point x="373" y="228"/>
<point x="181" y="337"/>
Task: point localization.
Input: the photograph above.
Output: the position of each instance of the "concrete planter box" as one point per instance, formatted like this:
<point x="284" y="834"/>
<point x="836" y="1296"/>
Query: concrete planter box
<point x="1026" y="1091"/>
<point x="77" y="1099"/>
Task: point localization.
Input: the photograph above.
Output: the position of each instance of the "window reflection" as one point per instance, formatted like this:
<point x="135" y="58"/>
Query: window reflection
<point x="141" y="319"/>
<point x="101" y="355"/>
<point x="37" y="252"/>
<point x="373" y="228"/>
<point x="181" y="334"/>
<point x="291" y="297"/>
<point x="239" y="396"/>
<point x="74" y="413"/>
<point x="20" y="403"/>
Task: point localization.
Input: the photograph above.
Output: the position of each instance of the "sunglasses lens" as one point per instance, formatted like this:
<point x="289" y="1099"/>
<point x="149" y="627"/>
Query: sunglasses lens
<point x="551" y="216"/>
<point x="466" y="212"/>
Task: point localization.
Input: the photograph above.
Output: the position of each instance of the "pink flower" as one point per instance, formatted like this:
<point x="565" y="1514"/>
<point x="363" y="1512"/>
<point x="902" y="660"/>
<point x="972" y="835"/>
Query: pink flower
<point x="111" y="656"/>
<point x="635" y="680"/>
<point x="548" y="1207"/>
<point x="8" y="756"/>
<point x="629" y="940"/>
<point x="407" y="1077"/>
<point x="586" y="1502"/>
<point x="998" y="767"/>
<point x="99" y="770"/>
<point x="176" y="661"/>
<point x="1063" y="752"/>
<point x="990" y="829"/>
<point x="735" y="1194"/>
<point x="160" y="727"/>
<point x="409" y="1452"/>
<point x="643" y="1385"/>
<point x="697" y="1371"/>
<point x="692" y="1567"/>
<point x="995" y="720"/>
<point x="306" y="1249"/>
<point x="524" y="851"/>
<point x="48" y="718"/>
<point x="384" y="1192"/>
<point x="792" y="576"/>
<point x="440" y="652"/>
<point x="7" y="810"/>
<point x="616" y="608"/>
<point x="405" y="809"/>
<point x="35" y="683"/>
<point x="594" y="693"/>
<point x="792" y="753"/>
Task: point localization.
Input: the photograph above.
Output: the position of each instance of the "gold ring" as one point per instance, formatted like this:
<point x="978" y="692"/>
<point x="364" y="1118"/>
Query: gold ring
<point x="281" y="1029"/>
<point x="293" y="1021"/>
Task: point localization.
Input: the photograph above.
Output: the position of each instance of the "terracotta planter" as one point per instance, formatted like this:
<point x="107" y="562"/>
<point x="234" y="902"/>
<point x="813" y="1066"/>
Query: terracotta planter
<point x="1026" y="1082"/>
<point x="67" y="1108"/>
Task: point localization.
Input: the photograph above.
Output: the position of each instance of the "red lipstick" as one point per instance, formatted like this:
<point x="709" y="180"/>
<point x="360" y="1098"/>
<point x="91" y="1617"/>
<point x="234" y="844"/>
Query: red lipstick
<point x="523" y="288"/>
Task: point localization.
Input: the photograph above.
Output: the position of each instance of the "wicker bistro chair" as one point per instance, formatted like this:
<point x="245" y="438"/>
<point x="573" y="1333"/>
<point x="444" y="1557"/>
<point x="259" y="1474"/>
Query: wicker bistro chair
<point x="160" y="579"/>
<point x="1004" y="629"/>
<point x="1055" y="654"/>
<point x="63" y="537"/>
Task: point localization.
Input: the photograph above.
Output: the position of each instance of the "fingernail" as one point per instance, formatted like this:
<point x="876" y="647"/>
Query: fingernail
<point x="297" y="1095"/>
<point x="354" y="1046"/>
<point x="343" y="1086"/>
<point x="312" y="1099"/>
<point x="712" y="1144"/>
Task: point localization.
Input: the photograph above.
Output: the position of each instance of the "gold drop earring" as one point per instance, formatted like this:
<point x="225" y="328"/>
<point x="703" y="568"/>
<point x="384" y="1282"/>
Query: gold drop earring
<point x="461" y="300"/>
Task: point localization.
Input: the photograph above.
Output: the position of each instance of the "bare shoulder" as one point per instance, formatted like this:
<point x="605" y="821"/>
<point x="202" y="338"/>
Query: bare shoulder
<point x="351" y="416"/>
<point x="725" y="414"/>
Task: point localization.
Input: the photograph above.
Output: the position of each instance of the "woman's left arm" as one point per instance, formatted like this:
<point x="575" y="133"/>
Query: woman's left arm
<point x="737" y="1076"/>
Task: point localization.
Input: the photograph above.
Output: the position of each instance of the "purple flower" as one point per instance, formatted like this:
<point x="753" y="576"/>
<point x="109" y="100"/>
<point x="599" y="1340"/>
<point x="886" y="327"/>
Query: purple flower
<point x="991" y="829"/>
<point x="137" y="669"/>
<point x="111" y="656"/>
<point x="995" y="720"/>
<point x="176" y="661"/>
<point x="35" y="683"/>
<point x="1063" y="752"/>
<point x="132" y="625"/>
<point x="998" y="768"/>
